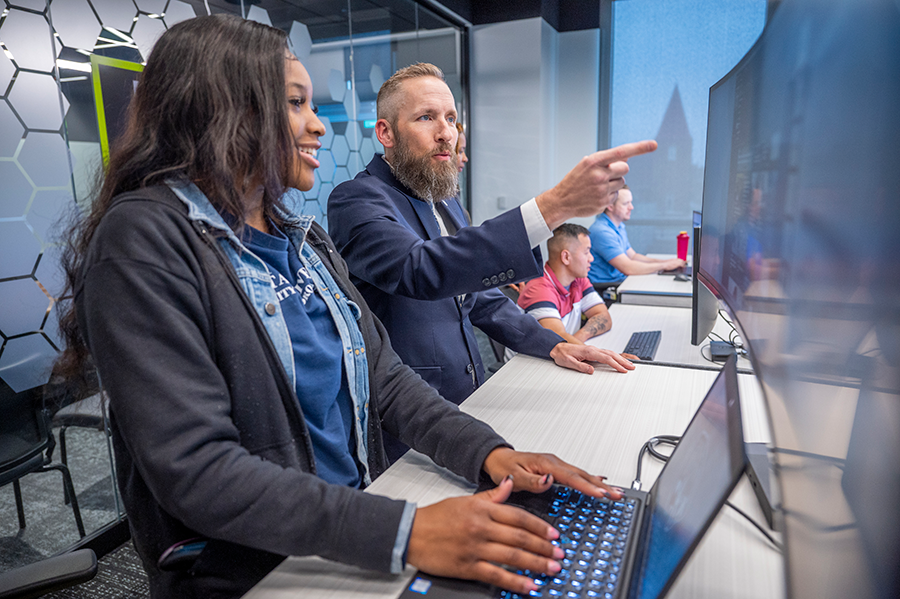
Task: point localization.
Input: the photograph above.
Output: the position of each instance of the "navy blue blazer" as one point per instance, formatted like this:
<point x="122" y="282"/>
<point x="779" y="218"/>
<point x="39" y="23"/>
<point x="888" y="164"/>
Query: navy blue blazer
<point x="411" y="277"/>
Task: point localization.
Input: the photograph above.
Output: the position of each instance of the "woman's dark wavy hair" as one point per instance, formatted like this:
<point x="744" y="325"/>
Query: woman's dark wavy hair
<point x="209" y="108"/>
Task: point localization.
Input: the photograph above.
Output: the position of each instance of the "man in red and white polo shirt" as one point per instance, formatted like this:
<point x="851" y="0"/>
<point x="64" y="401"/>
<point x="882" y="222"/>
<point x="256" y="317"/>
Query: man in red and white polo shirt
<point x="560" y="298"/>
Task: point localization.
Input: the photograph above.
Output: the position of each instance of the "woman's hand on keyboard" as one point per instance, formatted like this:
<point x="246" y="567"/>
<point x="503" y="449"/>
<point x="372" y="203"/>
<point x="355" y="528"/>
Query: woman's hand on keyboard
<point x="472" y="537"/>
<point x="536" y="472"/>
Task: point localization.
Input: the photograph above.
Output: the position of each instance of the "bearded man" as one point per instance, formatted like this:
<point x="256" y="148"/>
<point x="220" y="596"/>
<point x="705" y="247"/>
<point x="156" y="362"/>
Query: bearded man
<point x="427" y="275"/>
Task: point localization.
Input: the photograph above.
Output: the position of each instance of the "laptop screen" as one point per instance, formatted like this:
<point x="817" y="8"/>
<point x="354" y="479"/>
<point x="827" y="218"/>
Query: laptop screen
<point x="693" y="485"/>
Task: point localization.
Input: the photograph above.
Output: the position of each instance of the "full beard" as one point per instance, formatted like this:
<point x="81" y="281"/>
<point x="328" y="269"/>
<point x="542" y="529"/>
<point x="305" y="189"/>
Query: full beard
<point x="428" y="181"/>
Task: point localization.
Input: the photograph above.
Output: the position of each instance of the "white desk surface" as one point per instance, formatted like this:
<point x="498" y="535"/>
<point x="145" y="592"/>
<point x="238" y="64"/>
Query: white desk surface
<point x="655" y="289"/>
<point x="674" y="343"/>
<point x="540" y="407"/>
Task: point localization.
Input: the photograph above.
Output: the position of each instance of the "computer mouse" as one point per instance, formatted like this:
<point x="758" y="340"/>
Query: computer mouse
<point x="682" y="277"/>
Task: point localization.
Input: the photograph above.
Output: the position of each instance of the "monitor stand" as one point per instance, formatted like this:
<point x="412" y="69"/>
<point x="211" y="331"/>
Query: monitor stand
<point x="759" y="473"/>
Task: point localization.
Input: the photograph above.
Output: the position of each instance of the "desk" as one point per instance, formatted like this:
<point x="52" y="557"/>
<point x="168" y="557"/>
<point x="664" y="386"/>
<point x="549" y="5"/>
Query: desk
<point x="674" y="344"/>
<point x="541" y="407"/>
<point x="655" y="290"/>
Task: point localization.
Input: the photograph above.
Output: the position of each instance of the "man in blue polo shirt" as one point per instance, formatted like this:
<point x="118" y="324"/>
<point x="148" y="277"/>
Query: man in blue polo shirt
<point x="614" y="258"/>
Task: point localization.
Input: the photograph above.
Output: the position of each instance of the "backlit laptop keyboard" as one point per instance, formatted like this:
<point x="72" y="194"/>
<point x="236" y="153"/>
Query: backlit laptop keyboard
<point x="593" y="536"/>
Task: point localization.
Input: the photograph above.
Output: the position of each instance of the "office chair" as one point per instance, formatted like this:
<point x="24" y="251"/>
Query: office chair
<point x="84" y="413"/>
<point x="81" y="406"/>
<point x="26" y="445"/>
<point x="48" y="575"/>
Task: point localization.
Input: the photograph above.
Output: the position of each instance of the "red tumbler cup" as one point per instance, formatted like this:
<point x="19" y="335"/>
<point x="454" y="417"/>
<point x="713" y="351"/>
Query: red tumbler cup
<point x="683" y="245"/>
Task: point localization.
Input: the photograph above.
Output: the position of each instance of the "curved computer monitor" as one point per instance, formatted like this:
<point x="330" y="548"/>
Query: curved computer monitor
<point x="704" y="305"/>
<point x="799" y="241"/>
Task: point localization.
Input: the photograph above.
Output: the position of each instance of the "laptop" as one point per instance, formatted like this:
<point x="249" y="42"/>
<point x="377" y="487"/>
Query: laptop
<point x="686" y="270"/>
<point x="644" y="540"/>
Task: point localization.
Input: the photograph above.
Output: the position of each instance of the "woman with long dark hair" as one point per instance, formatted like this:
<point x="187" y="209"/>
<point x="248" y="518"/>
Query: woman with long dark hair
<point x="248" y="382"/>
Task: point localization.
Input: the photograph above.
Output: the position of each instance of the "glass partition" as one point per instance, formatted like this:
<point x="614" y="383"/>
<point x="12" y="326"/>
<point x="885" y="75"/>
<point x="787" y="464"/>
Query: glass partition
<point x="350" y="48"/>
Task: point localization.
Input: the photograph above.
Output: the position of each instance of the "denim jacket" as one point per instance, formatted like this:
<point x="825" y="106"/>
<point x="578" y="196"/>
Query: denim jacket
<point x="257" y="284"/>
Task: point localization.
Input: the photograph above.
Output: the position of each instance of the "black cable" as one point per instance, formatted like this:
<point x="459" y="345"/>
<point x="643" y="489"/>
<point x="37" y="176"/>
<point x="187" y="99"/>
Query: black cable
<point x="759" y="527"/>
<point x="725" y="318"/>
<point x="734" y="340"/>
<point x="636" y="483"/>
<point x="719" y="337"/>
<point x="731" y="339"/>
<point x="662" y="439"/>
<point x="734" y="332"/>
<point x="650" y="446"/>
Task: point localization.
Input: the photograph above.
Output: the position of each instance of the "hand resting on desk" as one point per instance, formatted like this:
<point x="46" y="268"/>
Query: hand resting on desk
<point x="473" y="537"/>
<point x="576" y="357"/>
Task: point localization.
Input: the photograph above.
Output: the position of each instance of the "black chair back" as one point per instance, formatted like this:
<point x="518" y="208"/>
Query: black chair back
<point x="24" y="434"/>
<point x="26" y="445"/>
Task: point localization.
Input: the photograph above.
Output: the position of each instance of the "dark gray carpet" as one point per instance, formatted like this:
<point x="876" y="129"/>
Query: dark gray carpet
<point x="119" y="576"/>
<point x="50" y="525"/>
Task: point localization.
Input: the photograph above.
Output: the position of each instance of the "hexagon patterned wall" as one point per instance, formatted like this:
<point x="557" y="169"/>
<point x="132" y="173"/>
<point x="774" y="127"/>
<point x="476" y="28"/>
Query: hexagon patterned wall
<point x="36" y="166"/>
<point x="45" y="52"/>
<point x="36" y="179"/>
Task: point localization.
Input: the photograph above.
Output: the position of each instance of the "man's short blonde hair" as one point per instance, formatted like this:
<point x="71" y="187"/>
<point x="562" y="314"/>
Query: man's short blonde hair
<point x="388" y="101"/>
<point x="613" y="203"/>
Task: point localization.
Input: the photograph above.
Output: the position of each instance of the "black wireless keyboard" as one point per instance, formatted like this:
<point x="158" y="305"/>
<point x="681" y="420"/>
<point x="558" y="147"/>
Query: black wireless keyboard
<point x="643" y="344"/>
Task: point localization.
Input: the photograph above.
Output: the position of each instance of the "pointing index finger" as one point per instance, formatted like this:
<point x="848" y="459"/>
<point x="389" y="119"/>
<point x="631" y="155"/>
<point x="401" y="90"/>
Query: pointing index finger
<point x="626" y="151"/>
